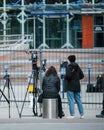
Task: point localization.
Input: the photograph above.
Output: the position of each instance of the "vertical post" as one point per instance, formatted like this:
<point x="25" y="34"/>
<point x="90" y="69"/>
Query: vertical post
<point x="4" y="20"/>
<point x="21" y="17"/>
<point x="68" y="20"/>
<point x="89" y="76"/>
<point x="23" y="21"/>
<point x="34" y="35"/>
<point x="89" y="67"/>
<point x="7" y="79"/>
<point x="67" y="30"/>
<point x="40" y="74"/>
<point x="44" y="36"/>
<point x="89" y="85"/>
<point x="63" y="72"/>
<point x="43" y="1"/>
<point x="93" y="2"/>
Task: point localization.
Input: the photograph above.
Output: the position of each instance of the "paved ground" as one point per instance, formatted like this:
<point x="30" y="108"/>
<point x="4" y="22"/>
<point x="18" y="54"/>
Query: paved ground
<point x="51" y="124"/>
<point x="29" y="122"/>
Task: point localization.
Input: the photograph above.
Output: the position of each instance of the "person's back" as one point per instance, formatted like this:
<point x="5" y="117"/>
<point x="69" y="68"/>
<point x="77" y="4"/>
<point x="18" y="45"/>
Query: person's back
<point x="51" y="86"/>
<point x="73" y="75"/>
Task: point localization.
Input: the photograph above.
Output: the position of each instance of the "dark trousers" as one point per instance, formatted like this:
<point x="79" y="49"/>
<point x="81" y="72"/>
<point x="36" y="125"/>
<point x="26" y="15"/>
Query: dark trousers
<point x="60" y="111"/>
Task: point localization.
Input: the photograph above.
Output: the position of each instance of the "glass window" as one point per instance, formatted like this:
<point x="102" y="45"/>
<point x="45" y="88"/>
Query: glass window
<point x="98" y="31"/>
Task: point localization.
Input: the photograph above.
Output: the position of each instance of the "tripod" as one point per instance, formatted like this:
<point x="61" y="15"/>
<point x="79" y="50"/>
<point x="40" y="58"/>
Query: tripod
<point x="9" y="86"/>
<point x="4" y="96"/>
<point x="35" y="90"/>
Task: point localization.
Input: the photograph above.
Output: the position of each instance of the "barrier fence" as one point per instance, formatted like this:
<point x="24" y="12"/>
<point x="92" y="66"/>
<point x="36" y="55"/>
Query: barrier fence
<point x="18" y="65"/>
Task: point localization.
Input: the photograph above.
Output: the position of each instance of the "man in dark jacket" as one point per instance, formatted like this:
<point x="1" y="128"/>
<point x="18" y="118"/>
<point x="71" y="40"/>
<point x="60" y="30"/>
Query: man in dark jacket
<point x="72" y="80"/>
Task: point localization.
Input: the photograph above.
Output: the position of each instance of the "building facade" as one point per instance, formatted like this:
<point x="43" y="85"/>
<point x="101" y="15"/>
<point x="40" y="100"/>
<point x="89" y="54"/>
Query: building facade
<point x="54" y="23"/>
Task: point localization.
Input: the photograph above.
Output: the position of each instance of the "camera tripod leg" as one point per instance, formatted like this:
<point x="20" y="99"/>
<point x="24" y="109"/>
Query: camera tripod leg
<point x="20" y="114"/>
<point x="3" y="92"/>
<point x="7" y="99"/>
<point x="4" y="96"/>
<point x="14" y="96"/>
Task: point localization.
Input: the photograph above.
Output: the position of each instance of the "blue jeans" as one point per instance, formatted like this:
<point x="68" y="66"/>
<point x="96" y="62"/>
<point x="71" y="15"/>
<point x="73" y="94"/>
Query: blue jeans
<point x="74" y="96"/>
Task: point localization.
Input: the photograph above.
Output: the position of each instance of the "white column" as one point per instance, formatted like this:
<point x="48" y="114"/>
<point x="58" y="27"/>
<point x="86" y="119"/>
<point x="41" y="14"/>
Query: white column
<point x="34" y="34"/>
<point x="67" y="44"/>
<point x="43" y="45"/>
<point x="23" y="21"/>
<point x="22" y="17"/>
<point x="4" y="18"/>
<point x="43" y="1"/>
<point x="93" y="1"/>
<point x="44" y="32"/>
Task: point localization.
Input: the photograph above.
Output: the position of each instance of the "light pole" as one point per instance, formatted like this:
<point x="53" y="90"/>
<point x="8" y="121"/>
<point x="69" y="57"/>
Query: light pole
<point x="63" y="73"/>
<point x="89" y="85"/>
<point x="89" y="68"/>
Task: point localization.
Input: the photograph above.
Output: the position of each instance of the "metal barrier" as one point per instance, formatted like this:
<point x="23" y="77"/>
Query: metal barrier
<point x="20" y="69"/>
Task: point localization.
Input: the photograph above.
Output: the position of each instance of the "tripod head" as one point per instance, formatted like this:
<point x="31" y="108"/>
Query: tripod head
<point x="34" y="59"/>
<point x="44" y="65"/>
<point x="6" y="77"/>
<point x="6" y="67"/>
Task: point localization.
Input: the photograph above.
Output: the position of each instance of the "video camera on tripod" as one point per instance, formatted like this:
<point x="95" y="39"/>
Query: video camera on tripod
<point x="34" y="59"/>
<point x="33" y="81"/>
<point x="8" y="84"/>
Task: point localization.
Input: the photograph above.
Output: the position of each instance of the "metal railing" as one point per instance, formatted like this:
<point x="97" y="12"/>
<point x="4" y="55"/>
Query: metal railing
<point x="20" y="70"/>
<point x="11" y="39"/>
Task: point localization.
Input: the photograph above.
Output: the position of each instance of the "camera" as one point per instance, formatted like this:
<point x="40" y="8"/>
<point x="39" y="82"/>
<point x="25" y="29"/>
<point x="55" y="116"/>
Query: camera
<point x="34" y="57"/>
<point x="44" y="65"/>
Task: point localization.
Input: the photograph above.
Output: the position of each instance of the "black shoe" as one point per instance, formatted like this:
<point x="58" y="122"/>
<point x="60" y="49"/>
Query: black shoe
<point x="100" y="116"/>
<point x="63" y="114"/>
<point x="40" y="115"/>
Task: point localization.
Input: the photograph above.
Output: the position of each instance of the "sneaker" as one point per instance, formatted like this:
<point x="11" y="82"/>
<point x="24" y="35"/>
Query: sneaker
<point x="70" y="117"/>
<point x="82" y="117"/>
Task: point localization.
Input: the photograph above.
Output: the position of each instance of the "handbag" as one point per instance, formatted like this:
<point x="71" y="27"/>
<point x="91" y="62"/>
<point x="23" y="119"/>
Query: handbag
<point x="40" y="98"/>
